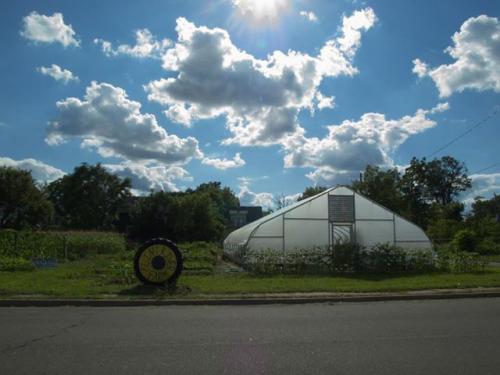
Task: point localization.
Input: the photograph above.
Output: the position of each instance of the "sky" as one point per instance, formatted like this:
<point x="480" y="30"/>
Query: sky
<point x="266" y="96"/>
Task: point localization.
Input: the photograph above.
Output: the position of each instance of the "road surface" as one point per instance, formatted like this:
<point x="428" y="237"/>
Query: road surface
<point x="414" y="337"/>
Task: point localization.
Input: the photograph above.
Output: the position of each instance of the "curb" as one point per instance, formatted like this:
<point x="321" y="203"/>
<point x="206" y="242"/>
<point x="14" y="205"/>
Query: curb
<point x="254" y="300"/>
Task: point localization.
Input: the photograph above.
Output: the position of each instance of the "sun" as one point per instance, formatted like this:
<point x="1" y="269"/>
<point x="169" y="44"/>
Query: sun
<point x="262" y="12"/>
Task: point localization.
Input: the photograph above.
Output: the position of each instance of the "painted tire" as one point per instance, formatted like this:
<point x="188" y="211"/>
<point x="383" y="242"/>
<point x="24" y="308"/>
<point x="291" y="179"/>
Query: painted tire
<point x="158" y="262"/>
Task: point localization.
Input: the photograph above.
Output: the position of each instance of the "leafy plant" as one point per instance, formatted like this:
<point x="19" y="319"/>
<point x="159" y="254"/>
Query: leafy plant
<point x="465" y="240"/>
<point x="15" y="264"/>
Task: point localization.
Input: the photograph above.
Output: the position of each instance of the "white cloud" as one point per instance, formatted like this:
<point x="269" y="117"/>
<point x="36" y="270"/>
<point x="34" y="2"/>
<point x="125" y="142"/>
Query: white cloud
<point x="59" y="74"/>
<point x="48" y="29"/>
<point x="350" y="146"/>
<point x="483" y="185"/>
<point x="310" y="16"/>
<point x="108" y="121"/>
<point x="476" y="50"/>
<point x="324" y="101"/>
<point x="150" y="177"/>
<point x="441" y="107"/>
<point x="40" y="171"/>
<point x="360" y="20"/>
<point x="260" y="98"/>
<point x="420" y="68"/>
<point x="250" y="198"/>
<point x="261" y="11"/>
<point x="328" y="176"/>
<point x="266" y="200"/>
<point x="146" y="45"/>
<point x="223" y="164"/>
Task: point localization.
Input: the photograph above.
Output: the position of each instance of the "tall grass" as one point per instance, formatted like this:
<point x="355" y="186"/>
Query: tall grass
<point x="60" y="245"/>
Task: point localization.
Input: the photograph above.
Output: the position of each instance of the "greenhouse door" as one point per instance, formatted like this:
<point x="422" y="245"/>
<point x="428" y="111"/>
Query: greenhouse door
<point x="341" y="218"/>
<point x="341" y="234"/>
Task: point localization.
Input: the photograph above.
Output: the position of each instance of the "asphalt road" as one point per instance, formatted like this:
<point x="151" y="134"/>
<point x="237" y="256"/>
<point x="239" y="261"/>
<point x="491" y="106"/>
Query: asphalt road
<point x="416" y="337"/>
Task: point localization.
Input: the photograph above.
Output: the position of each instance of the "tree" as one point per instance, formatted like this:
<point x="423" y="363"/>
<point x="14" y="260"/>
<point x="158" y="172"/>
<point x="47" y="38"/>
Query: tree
<point x="381" y="186"/>
<point x="179" y="217"/>
<point x="154" y="216"/>
<point x="223" y="198"/>
<point x="427" y="184"/>
<point x="438" y="181"/>
<point x="482" y="208"/>
<point x="311" y="191"/>
<point x="89" y="198"/>
<point x="199" y="219"/>
<point x="22" y="203"/>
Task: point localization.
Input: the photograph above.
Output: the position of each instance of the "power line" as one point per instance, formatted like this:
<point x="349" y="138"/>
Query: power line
<point x="476" y="125"/>
<point x="484" y="169"/>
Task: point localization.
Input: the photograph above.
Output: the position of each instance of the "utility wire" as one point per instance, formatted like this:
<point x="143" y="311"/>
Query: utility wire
<point x="484" y="169"/>
<point x="475" y="126"/>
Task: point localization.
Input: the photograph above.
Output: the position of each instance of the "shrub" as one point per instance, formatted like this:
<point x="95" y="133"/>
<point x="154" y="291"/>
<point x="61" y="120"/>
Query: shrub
<point x="384" y="258"/>
<point x="421" y="260"/>
<point x="488" y="247"/>
<point x="347" y="257"/>
<point x="450" y="260"/>
<point x="465" y="240"/>
<point x="264" y="261"/>
<point x="15" y="264"/>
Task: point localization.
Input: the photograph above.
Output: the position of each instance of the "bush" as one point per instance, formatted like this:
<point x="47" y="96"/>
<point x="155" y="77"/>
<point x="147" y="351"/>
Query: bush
<point x="465" y="240"/>
<point x="450" y="260"/>
<point x="347" y="257"/>
<point x="384" y="258"/>
<point x="15" y="264"/>
<point x="421" y="260"/>
<point x="264" y="261"/>
<point x="488" y="247"/>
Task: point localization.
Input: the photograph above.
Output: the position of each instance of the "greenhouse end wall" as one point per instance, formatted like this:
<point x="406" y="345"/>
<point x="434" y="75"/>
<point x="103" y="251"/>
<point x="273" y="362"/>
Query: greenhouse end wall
<point x="314" y="223"/>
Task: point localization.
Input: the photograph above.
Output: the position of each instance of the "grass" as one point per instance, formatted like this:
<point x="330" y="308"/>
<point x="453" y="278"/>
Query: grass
<point x="110" y="275"/>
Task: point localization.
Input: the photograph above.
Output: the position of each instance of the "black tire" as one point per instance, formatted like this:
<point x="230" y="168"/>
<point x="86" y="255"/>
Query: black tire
<point x="151" y="261"/>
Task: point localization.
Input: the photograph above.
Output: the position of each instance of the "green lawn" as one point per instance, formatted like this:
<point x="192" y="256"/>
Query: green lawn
<point x="105" y="276"/>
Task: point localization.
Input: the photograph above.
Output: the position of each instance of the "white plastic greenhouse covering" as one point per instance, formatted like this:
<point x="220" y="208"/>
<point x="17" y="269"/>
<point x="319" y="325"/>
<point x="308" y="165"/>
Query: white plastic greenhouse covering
<point x="337" y="215"/>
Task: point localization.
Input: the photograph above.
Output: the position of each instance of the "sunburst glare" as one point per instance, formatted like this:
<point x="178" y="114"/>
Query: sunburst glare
<point x="262" y="12"/>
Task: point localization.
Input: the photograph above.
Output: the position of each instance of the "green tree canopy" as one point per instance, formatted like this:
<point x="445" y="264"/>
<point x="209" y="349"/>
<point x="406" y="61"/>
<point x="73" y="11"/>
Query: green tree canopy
<point x="222" y="197"/>
<point x="381" y="186"/>
<point x="89" y="198"/>
<point x="437" y="181"/>
<point x="311" y="191"/>
<point x="483" y="208"/>
<point x="22" y="203"/>
<point x="180" y="217"/>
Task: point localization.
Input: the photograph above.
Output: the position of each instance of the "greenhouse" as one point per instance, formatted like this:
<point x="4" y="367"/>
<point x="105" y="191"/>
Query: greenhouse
<point x="336" y="216"/>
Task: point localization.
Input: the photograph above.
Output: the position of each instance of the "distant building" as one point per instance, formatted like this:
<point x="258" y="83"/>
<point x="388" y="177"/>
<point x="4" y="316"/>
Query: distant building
<point x="243" y="215"/>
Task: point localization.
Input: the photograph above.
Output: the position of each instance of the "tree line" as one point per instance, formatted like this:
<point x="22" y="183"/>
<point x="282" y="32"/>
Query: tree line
<point x="91" y="198"/>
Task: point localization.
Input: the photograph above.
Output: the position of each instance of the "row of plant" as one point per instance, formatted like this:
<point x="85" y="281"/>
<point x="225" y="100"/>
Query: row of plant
<point x="351" y="258"/>
<point x="18" y="249"/>
<point x="58" y="245"/>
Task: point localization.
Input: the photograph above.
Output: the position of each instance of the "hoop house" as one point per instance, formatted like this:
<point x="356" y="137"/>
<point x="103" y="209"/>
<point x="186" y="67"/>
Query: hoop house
<point x="337" y="215"/>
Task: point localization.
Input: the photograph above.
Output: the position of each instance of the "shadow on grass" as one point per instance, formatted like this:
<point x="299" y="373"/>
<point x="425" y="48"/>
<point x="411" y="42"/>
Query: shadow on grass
<point x="155" y="291"/>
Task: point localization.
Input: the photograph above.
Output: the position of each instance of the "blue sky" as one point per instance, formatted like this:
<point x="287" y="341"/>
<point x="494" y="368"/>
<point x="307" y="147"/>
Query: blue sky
<point x="267" y="97"/>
